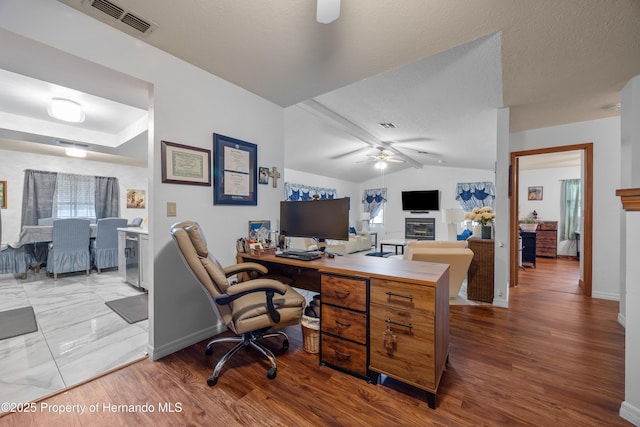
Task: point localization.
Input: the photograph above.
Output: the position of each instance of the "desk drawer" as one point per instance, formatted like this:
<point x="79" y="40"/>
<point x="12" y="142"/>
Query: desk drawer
<point x="403" y="295"/>
<point x="344" y="323"/>
<point x="344" y="354"/>
<point x="345" y="292"/>
<point x="411" y="357"/>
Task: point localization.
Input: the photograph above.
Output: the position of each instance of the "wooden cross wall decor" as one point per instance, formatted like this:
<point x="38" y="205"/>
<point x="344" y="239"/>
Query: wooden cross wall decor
<point x="274" y="174"/>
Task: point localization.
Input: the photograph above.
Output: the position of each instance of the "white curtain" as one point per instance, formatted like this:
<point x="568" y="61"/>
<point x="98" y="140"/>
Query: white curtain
<point x="74" y="196"/>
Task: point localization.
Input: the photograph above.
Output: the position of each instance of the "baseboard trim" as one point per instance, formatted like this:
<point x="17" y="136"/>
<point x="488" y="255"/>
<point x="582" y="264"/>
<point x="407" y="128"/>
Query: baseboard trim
<point x="630" y="413"/>
<point x="171" y="347"/>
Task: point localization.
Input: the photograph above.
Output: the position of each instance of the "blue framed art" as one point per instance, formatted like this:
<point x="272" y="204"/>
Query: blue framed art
<point x="234" y="171"/>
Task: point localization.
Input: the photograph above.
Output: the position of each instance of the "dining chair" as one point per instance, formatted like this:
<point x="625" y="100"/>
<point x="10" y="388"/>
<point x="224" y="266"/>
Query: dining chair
<point x="104" y="248"/>
<point x="69" y="248"/>
<point x="13" y="260"/>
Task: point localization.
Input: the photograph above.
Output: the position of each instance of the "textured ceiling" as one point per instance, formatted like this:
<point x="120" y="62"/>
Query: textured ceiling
<point x="554" y="62"/>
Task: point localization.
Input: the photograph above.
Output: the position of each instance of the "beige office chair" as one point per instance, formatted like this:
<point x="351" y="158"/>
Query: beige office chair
<point x="250" y="309"/>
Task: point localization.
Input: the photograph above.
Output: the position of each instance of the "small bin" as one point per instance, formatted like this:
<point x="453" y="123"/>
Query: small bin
<point x="311" y="334"/>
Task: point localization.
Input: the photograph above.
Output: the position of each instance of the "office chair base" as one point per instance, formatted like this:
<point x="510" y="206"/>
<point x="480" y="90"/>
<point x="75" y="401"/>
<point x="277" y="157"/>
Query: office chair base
<point x="248" y="340"/>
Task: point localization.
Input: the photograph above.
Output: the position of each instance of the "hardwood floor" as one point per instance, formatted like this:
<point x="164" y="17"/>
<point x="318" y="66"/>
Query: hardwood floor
<point x="553" y="358"/>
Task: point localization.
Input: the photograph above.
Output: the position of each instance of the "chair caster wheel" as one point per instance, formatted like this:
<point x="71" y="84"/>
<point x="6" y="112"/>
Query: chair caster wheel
<point x="208" y="351"/>
<point x="285" y="345"/>
<point x="211" y="381"/>
<point x="271" y="373"/>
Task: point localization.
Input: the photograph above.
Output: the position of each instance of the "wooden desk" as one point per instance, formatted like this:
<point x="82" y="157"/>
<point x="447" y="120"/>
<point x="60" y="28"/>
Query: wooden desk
<point x="376" y="295"/>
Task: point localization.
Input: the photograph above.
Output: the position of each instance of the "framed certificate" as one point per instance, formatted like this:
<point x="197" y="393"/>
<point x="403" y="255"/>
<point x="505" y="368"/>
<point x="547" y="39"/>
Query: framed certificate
<point x="235" y="167"/>
<point x="182" y="164"/>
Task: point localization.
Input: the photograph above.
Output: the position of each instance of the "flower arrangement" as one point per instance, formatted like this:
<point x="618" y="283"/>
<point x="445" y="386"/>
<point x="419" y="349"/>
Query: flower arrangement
<point x="484" y="215"/>
<point x="532" y="218"/>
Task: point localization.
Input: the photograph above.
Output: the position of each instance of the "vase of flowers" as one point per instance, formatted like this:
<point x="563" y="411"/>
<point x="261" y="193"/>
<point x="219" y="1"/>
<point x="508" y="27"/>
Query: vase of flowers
<point x="483" y="216"/>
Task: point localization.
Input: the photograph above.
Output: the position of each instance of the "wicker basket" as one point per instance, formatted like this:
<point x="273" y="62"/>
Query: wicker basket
<point x="261" y="252"/>
<point x="310" y="334"/>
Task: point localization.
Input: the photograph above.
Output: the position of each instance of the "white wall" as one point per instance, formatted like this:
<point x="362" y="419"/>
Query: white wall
<point x="15" y="163"/>
<point x="550" y="207"/>
<point x="605" y="136"/>
<point x="343" y="189"/>
<point x="440" y="178"/>
<point x="186" y="105"/>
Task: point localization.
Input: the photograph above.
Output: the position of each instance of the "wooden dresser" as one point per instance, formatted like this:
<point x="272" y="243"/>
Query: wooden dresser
<point x="480" y="283"/>
<point x="547" y="239"/>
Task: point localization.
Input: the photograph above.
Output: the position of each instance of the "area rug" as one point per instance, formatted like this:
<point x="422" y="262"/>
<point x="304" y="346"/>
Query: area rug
<point x="17" y="322"/>
<point x="132" y="309"/>
<point x="379" y="254"/>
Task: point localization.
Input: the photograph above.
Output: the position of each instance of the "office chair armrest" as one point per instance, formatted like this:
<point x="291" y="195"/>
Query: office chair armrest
<point x="244" y="266"/>
<point x="268" y="286"/>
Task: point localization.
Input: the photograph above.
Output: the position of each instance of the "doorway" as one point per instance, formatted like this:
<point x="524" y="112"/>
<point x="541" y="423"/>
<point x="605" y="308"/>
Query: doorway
<point x="586" y="149"/>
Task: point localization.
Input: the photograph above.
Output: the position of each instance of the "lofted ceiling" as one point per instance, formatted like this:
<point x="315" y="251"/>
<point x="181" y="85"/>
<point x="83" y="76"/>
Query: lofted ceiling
<point x="438" y="69"/>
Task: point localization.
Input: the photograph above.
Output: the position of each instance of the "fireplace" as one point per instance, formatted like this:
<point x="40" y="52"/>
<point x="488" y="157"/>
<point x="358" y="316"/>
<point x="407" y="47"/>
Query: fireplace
<point x="420" y="228"/>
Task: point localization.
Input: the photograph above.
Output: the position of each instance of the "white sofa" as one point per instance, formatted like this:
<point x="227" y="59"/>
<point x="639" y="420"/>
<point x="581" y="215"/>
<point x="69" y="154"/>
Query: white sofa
<point x="356" y="243"/>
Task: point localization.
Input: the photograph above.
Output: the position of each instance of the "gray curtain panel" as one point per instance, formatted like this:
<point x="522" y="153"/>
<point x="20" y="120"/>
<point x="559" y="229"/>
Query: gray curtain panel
<point x="37" y="196"/>
<point x="107" y="196"/>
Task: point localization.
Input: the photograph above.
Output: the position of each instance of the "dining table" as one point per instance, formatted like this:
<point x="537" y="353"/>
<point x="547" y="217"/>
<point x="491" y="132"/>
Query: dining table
<point x="42" y="233"/>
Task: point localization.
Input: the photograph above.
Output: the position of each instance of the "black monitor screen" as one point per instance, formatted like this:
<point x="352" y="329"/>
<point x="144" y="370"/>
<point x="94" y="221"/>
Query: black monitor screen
<point x="323" y="219"/>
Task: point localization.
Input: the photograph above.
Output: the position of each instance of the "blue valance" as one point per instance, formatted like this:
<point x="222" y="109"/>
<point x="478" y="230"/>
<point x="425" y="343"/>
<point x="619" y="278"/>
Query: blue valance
<point x="297" y="192"/>
<point x="475" y="194"/>
<point x="373" y="200"/>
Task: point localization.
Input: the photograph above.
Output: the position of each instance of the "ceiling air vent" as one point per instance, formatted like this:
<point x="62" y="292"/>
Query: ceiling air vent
<point x="115" y="15"/>
<point x="388" y="125"/>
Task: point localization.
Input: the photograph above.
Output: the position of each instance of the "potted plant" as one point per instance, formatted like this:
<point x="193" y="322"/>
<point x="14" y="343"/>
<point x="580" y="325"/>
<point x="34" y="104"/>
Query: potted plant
<point x="530" y="222"/>
<point x="484" y="216"/>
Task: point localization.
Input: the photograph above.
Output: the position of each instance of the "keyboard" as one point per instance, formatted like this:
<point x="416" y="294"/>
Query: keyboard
<point x="302" y="256"/>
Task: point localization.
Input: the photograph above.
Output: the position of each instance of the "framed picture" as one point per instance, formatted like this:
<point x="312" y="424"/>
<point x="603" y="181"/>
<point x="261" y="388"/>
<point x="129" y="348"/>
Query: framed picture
<point x="182" y="164"/>
<point x="259" y="230"/>
<point x="235" y="175"/>
<point x="263" y="175"/>
<point x="135" y="199"/>
<point x="535" y="193"/>
<point x="3" y="194"/>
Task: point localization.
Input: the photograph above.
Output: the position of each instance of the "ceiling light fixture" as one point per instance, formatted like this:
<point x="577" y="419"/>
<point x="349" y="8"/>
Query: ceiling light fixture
<point x="75" y="152"/>
<point x="380" y="164"/>
<point x="328" y="11"/>
<point x="612" y="107"/>
<point x="66" y="110"/>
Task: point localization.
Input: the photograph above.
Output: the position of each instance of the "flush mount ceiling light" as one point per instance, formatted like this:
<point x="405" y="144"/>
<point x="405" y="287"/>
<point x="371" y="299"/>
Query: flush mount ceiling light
<point x="75" y="152"/>
<point x="66" y="110"/>
<point x="328" y="11"/>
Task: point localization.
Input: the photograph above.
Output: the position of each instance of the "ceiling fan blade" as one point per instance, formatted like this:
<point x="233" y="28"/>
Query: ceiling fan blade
<point x="391" y="159"/>
<point x="350" y="153"/>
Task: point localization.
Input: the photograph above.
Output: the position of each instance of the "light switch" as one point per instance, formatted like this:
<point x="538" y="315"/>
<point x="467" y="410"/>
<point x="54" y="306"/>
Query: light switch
<point x="171" y="209"/>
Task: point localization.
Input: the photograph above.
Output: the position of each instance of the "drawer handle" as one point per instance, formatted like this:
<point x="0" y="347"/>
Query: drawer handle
<point x="392" y="294"/>
<point x="342" y="355"/>
<point x="342" y="293"/>
<point x="393" y="322"/>
<point x="343" y="323"/>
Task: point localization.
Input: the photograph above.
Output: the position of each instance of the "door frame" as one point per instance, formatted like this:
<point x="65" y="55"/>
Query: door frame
<point x="587" y="204"/>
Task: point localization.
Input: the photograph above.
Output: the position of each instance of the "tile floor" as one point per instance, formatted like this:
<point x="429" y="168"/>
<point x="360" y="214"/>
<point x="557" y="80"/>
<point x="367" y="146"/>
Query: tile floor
<point x="78" y="336"/>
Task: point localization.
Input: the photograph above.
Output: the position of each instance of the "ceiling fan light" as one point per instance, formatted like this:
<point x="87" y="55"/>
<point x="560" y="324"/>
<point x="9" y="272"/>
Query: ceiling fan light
<point x="328" y="11"/>
<point x="66" y="110"/>
<point x="380" y="164"/>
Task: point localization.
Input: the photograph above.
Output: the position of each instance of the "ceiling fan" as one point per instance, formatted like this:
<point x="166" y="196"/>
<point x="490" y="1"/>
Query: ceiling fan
<point x="383" y="157"/>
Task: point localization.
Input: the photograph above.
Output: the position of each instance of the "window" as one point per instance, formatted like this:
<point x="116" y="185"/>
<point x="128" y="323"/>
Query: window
<point x="74" y="196"/>
<point x="379" y="218"/>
